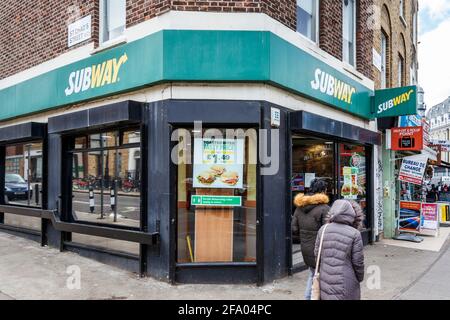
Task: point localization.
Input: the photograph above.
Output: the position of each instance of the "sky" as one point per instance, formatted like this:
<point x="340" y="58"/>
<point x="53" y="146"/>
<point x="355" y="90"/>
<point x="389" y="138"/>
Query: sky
<point x="434" y="50"/>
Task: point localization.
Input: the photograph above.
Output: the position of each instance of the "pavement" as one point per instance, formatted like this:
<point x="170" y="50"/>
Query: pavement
<point x="28" y="271"/>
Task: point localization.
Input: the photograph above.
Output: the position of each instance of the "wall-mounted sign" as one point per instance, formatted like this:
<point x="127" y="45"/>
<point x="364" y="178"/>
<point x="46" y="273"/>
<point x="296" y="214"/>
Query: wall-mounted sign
<point x="275" y="117"/>
<point x="377" y="59"/>
<point x="395" y="102"/>
<point x="79" y="31"/>
<point x="221" y="201"/>
<point x="413" y="168"/>
<point x="218" y="163"/>
<point x="410" y="216"/>
<point x="445" y="144"/>
<point x="407" y="139"/>
<point x="410" y="121"/>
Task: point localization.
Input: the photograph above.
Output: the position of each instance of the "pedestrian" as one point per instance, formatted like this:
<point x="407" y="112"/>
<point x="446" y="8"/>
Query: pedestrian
<point x="311" y="213"/>
<point x="342" y="258"/>
<point x="432" y="194"/>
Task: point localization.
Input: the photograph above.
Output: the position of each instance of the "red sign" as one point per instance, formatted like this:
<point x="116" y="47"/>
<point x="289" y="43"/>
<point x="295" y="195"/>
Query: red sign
<point x="407" y="139"/>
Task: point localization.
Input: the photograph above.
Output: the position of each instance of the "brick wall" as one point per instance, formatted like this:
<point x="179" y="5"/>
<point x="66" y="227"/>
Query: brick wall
<point x="396" y="30"/>
<point x="36" y="32"/>
<point x="330" y="34"/>
<point x="32" y="31"/>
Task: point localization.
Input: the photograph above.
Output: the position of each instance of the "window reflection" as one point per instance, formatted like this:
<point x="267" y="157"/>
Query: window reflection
<point x="106" y="184"/>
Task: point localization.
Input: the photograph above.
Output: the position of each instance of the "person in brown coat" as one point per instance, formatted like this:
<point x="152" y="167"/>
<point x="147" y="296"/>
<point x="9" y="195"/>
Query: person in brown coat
<point x="342" y="258"/>
<point x="310" y="215"/>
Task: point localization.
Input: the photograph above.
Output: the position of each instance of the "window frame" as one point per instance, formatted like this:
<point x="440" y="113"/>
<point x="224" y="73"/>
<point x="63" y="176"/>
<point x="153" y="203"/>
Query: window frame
<point x="71" y="150"/>
<point x="400" y="70"/>
<point x="316" y="22"/>
<point x="103" y="18"/>
<point x="384" y="60"/>
<point x="350" y="63"/>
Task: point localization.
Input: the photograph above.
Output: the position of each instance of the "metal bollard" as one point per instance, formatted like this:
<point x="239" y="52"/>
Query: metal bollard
<point x="36" y="193"/>
<point x="91" y="199"/>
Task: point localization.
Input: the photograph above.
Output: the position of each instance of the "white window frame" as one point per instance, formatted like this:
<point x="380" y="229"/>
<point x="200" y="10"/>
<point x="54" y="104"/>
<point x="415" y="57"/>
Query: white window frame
<point x="384" y="47"/>
<point x="316" y="41"/>
<point x="402" y="7"/>
<point x="102" y="31"/>
<point x="354" y="34"/>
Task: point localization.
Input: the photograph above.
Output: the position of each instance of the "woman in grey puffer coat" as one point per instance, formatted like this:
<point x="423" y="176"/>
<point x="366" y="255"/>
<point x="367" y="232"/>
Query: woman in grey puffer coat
<point x="342" y="259"/>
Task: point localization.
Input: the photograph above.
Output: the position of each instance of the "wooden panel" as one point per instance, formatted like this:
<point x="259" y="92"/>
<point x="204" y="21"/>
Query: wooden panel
<point x="214" y="231"/>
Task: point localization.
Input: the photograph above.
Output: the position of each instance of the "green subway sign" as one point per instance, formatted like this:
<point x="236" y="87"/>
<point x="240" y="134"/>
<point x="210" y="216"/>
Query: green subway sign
<point x="219" y="201"/>
<point x="395" y="102"/>
<point x="184" y="56"/>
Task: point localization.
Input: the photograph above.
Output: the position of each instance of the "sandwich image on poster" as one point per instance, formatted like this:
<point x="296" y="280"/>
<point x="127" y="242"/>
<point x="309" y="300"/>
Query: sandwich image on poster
<point x="218" y="163"/>
<point x="410" y="216"/>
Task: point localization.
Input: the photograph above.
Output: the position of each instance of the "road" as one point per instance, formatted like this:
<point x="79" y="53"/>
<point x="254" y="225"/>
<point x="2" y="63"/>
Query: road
<point x="128" y="206"/>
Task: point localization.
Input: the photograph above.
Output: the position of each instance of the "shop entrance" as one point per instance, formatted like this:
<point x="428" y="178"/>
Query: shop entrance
<point x="342" y="165"/>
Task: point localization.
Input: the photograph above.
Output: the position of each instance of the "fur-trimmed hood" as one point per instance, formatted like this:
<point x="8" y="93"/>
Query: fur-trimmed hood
<point x="302" y="200"/>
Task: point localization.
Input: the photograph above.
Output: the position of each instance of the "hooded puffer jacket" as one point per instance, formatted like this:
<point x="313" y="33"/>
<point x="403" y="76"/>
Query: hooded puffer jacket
<point x="342" y="259"/>
<point x="310" y="215"/>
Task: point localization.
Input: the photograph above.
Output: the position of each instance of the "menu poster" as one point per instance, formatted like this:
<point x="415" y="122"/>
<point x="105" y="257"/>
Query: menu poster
<point x="350" y="188"/>
<point x="410" y="215"/>
<point x="430" y="217"/>
<point x="218" y="163"/>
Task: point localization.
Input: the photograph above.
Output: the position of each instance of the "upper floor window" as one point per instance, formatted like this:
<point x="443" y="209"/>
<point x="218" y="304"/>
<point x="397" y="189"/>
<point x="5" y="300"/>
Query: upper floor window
<point x="414" y="23"/>
<point x="307" y="13"/>
<point x="401" y="70"/>
<point x="112" y="19"/>
<point x="384" y="59"/>
<point x="349" y="31"/>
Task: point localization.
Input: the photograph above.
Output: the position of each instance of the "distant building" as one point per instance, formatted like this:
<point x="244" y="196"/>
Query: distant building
<point x="439" y="119"/>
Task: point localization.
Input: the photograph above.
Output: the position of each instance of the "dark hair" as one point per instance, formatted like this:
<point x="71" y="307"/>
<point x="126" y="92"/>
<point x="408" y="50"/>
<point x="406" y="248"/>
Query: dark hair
<point x="318" y="186"/>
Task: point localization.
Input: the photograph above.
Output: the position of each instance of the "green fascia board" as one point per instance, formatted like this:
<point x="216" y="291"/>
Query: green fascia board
<point x="185" y="55"/>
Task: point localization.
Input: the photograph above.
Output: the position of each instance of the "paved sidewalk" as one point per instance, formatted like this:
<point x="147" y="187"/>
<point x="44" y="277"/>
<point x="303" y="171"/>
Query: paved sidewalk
<point x="434" y="284"/>
<point x="28" y="271"/>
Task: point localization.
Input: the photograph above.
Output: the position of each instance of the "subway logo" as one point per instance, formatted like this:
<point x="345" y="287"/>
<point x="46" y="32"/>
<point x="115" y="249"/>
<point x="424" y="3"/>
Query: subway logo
<point x="394" y="102"/>
<point x="332" y="86"/>
<point x="95" y="76"/>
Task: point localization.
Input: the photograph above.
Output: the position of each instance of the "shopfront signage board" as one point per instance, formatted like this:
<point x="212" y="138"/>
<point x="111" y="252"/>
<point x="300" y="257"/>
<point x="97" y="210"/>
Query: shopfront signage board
<point x="219" y="201"/>
<point x="410" y="216"/>
<point x="445" y="144"/>
<point x="218" y="163"/>
<point x="407" y="139"/>
<point x="395" y="102"/>
<point x="79" y="31"/>
<point x="413" y="169"/>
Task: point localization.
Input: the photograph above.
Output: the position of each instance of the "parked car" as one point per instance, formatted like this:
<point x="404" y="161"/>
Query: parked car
<point x="16" y="188"/>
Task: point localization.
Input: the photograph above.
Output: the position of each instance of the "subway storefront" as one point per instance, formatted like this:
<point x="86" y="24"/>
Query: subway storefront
<point x="177" y="155"/>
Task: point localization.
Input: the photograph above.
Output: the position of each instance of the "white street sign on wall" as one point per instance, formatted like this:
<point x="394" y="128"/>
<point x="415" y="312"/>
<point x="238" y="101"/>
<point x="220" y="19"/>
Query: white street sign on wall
<point x="80" y="31"/>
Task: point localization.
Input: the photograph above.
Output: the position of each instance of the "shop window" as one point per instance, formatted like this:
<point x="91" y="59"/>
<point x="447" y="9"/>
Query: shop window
<point x="307" y="13"/>
<point x="23" y="182"/>
<point x="216" y="197"/>
<point x="106" y="243"/>
<point x="353" y="174"/>
<point x="349" y="31"/>
<point x="112" y="19"/>
<point x="312" y="158"/>
<point x="106" y="178"/>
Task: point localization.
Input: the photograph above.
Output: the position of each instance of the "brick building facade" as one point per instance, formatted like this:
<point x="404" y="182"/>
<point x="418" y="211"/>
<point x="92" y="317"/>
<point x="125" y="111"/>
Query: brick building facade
<point x="158" y="66"/>
<point x="400" y="30"/>
<point x="36" y="34"/>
